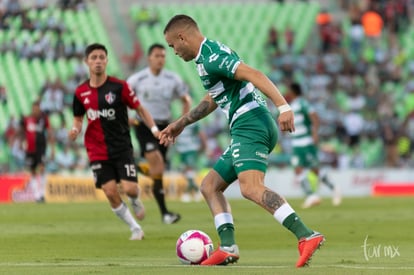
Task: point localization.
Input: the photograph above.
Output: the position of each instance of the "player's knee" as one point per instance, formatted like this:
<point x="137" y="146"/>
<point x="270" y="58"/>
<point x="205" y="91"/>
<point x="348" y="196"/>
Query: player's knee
<point x="130" y="189"/>
<point x="204" y="189"/>
<point x="113" y="196"/>
<point x="211" y="184"/>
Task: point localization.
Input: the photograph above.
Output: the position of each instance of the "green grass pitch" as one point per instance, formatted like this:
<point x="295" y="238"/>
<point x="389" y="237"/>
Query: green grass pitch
<point x="364" y="236"/>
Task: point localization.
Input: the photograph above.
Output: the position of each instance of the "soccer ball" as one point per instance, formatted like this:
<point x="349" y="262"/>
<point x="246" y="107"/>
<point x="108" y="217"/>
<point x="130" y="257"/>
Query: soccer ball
<point x="193" y="247"/>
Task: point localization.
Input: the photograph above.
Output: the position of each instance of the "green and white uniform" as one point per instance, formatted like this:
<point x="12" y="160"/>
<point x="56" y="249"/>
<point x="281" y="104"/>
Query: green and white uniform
<point x="188" y="144"/>
<point x="252" y="128"/>
<point x="304" y="151"/>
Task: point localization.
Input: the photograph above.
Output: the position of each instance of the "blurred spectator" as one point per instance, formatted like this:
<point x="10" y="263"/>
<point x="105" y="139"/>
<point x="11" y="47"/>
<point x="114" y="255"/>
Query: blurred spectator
<point x="59" y="48"/>
<point x="389" y="129"/>
<point x="80" y="71"/>
<point x="65" y="159"/>
<point x="407" y="129"/>
<point x="72" y="4"/>
<point x="82" y="161"/>
<point x="62" y="134"/>
<point x="52" y="99"/>
<point x="40" y="4"/>
<point x="55" y="24"/>
<point x="74" y="50"/>
<point x="371" y="99"/>
<point x="11" y="130"/>
<point x="356" y="32"/>
<point x="26" y="22"/>
<point x="17" y="160"/>
<point x="373" y="25"/>
<point x="13" y="8"/>
<point x="37" y="50"/>
<point x="25" y="51"/>
<point x="324" y="20"/>
<point x="353" y="123"/>
<point x="272" y="44"/>
<point x="356" y="100"/>
<point x="3" y="95"/>
<point x="146" y="16"/>
<point x="289" y="38"/>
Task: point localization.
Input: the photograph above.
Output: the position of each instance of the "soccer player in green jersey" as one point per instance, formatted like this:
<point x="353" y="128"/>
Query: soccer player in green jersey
<point x="234" y="87"/>
<point x="304" y="149"/>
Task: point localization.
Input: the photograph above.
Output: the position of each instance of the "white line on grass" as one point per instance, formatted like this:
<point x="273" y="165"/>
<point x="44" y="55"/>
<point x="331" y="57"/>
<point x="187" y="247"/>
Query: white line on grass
<point x="78" y="264"/>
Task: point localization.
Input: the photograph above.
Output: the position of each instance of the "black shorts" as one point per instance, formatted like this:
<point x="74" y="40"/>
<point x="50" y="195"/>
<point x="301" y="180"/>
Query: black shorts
<point x="33" y="160"/>
<point x="147" y="141"/>
<point x="115" y="169"/>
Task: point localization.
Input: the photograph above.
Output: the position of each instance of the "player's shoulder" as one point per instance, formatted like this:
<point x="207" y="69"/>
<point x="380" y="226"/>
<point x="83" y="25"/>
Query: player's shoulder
<point x="116" y="80"/>
<point x="215" y="47"/>
<point x="139" y="75"/>
<point x="165" y="73"/>
<point x="214" y="53"/>
<point x="83" y="87"/>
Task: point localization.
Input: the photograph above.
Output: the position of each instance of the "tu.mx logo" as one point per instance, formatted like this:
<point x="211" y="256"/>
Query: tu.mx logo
<point x="372" y="251"/>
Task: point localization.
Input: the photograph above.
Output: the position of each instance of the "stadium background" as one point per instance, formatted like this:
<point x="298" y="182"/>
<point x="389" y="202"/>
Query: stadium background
<point x="374" y="89"/>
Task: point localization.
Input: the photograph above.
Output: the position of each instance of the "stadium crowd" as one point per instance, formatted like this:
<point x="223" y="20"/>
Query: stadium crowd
<point x="358" y="79"/>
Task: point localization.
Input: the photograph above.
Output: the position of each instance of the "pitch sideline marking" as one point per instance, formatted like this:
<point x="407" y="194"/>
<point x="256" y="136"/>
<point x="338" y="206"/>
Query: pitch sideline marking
<point x="34" y="264"/>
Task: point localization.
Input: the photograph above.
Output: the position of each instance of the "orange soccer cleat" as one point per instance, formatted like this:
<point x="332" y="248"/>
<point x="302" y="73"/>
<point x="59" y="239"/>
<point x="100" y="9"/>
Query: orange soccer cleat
<point x="308" y="246"/>
<point x="224" y="255"/>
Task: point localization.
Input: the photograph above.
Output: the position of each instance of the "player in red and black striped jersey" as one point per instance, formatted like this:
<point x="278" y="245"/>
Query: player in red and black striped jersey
<point x="105" y="101"/>
<point x="36" y="132"/>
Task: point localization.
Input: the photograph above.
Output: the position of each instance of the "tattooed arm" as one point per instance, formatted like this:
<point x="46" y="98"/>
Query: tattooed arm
<point x="204" y="108"/>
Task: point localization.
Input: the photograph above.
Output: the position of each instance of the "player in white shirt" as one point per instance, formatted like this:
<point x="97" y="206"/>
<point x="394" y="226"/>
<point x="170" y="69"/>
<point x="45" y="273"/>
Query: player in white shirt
<point x="156" y="88"/>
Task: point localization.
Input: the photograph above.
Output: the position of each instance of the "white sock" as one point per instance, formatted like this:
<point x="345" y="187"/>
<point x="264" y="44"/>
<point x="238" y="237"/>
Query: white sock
<point x="124" y="214"/>
<point x="284" y="211"/>
<point x="222" y="218"/>
<point x="42" y="184"/>
<point x="35" y="184"/>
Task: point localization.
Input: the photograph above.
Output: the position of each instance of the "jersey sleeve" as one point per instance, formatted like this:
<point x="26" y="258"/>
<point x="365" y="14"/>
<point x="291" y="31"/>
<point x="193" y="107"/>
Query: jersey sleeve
<point x="129" y="97"/>
<point x="77" y="106"/>
<point x="222" y="64"/>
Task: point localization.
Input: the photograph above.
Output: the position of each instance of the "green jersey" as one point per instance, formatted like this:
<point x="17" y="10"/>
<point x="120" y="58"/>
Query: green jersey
<point x="189" y="139"/>
<point x="216" y="66"/>
<point x="302" y="136"/>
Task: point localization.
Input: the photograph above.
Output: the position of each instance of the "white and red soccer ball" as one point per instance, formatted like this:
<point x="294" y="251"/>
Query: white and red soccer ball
<point x="193" y="247"/>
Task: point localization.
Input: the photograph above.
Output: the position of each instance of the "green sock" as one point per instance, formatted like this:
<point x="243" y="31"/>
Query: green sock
<point x="226" y="234"/>
<point x="296" y="226"/>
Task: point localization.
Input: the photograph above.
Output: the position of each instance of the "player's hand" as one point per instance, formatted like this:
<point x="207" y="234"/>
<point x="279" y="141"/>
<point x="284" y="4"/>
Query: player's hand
<point x="169" y="134"/>
<point x="286" y="121"/>
<point x="73" y="134"/>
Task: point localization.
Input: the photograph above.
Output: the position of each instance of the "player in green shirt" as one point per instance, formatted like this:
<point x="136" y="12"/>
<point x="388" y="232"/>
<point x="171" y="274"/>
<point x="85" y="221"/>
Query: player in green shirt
<point x="235" y="87"/>
<point x="189" y="145"/>
<point x="305" y="151"/>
